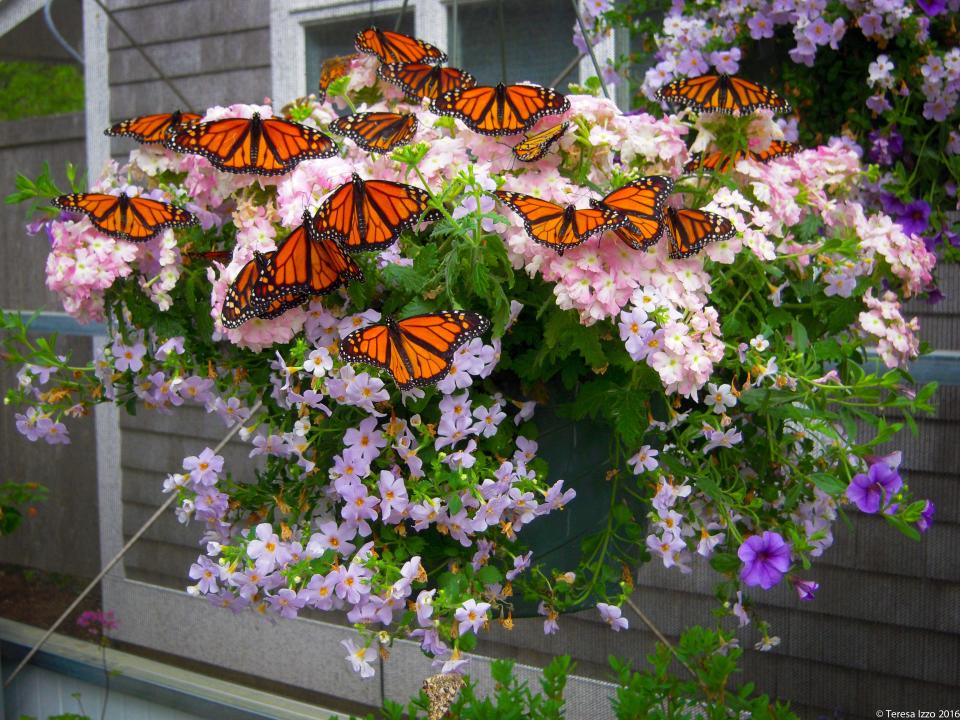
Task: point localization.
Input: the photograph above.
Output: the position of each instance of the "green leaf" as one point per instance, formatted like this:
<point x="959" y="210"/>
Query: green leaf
<point x="830" y="484"/>
<point x="489" y="575"/>
<point x="800" y="337"/>
<point x="724" y="562"/>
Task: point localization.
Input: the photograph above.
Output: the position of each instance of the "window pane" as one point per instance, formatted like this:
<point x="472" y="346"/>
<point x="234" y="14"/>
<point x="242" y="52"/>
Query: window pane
<point x="537" y="40"/>
<point x="329" y="39"/>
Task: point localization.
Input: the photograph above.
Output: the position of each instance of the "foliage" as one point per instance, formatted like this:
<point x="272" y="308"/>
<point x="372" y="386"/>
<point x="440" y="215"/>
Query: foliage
<point x="706" y="661"/>
<point x="34" y="89"/>
<point x="731" y="386"/>
<point x="892" y="69"/>
<point x="14" y="494"/>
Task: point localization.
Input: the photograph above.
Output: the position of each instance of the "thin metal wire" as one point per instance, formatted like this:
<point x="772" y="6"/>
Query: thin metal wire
<point x="568" y="69"/>
<point x="403" y="9"/>
<point x="116" y="558"/>
<point x="586" y="41"/>
<point x="136" y="46"/>
<point x="52" y="27"/>
<point x="660" y="636"/>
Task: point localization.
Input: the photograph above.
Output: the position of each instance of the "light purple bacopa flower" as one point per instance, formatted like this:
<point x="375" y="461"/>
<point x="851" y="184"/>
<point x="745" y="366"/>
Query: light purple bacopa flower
<point x="766" y="558"/>
<point x="612" y="615"/>
<point x="873" y="490"/>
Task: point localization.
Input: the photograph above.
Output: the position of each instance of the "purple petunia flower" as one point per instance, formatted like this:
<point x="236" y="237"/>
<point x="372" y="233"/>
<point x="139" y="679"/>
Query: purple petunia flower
<point x="766" y="558"/>
<point x="926" y="517"/>
<point x="869" y="492"/>
<point x="915" y="218"/>
<point x="932" y="8"/>
<point x="806" y="589"/>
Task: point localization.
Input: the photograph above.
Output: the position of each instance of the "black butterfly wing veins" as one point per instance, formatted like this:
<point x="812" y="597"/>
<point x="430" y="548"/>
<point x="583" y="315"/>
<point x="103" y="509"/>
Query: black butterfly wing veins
<point x="417" y="351"/>
<point x="692" y="230"/>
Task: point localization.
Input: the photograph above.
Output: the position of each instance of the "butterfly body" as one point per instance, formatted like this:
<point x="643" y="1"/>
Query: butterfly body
<point x="691" y="230"/>
<point x="722" y="93"/>
<point x="378" y="132"/>
<point x="239" y="304"/>
<point x="331" y="70"/>
<point x="641" y="204"/>
<point x="422" y="80"/>
<point x="254" y="145"/>
<point x="501" y="109"/>
<point x="556" y="226"/>
<point x="534" y="147"/>
<point x="304" y="265"/>
<point x="152" y="128"/>
<point x="394" y="47"/>
<point x="720" y="162"/>
<point x="370" y="214"/>
<point x="136" y="219"/>
<point x="418" y="350"/>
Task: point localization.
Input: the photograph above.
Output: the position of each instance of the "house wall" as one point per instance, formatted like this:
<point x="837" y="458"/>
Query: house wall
<point x="882" y="633"/>
<point x="63" y="536"/>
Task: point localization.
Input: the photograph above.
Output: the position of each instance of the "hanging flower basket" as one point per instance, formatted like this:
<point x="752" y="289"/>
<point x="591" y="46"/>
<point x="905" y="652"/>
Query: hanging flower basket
<point x="469" y="413"/>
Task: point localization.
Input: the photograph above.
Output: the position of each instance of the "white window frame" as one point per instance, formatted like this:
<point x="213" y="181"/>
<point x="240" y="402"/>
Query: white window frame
<point x="289" y="20"/>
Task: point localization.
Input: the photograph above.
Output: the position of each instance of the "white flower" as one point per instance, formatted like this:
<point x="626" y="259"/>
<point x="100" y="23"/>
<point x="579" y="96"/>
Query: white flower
<point x="759" y="343"/>
<point x="720" y="398"/>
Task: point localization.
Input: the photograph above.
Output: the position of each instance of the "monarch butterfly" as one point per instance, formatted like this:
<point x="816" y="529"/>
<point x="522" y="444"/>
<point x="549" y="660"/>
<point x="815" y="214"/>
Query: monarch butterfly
<point x="534" y="147"/>
<point x="690" y="230"/>
<point x="719" y="162"/>
<point x="262" y="146"/>
<point x="136" y="219"/>
<point x="371" y="214"/>
<point x="417" y="350"/>
<point x="641" y="204"/>
<point x="722" y="93"/>
<point x="500" y="110"/>
<point x="221" y="256"/>
<point x="238" y="303"/>
<point x="377" y="131"/>
<point x="556" y="226"/>
<point x="152" y="128"/>
<point x="422" y="80"/>
<point x="394" y="47"/>
<point x="333" y="69"/>
<point x="303" y="265"/>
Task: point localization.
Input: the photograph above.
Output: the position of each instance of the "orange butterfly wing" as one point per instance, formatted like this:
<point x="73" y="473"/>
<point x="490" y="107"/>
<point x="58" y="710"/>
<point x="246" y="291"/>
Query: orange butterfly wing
<point x="691" y="230"/>
<point x="152" y="128"/>
<point x="536" y="146"/>
<point x="303" y="265"/>
<point x="253" y="145"/>
<point x="556" y="226"/>
<point x="333" y="69"/>
<point x="394" y="47"/>
<point x="722" y="93"/>
<point x="718" y="162"/>
<point x="776" y="149"/>
<point x="418" y="350"/>
<point x="378" y="132"/>
<point x="641" y="204"/>
<point x="239" y="305"/>
<point x="136" y="219"/>
<point x="370" y="215"/>
<point x="421" y="80"/>
<point x="500" y="110"/>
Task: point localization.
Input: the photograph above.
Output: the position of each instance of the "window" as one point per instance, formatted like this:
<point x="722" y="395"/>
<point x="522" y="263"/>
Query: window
<point x="533" y="42"/>
<point x="335" y="37"/>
